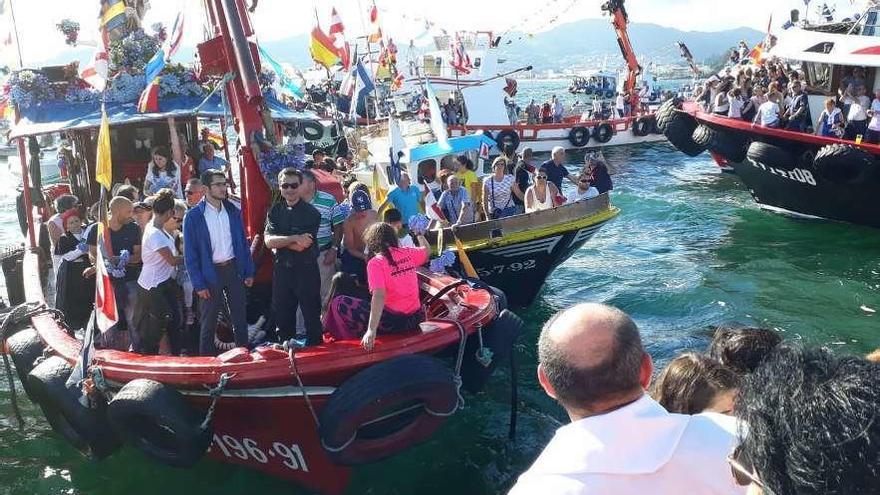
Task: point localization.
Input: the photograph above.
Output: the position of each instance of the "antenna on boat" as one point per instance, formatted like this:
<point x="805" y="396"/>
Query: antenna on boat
<point x="15" y="29"/>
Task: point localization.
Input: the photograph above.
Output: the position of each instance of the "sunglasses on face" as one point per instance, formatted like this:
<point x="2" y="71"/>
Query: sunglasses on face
<point x="189" y="193"/>
<point x="290" y="185"/>
<point x="584" y="181"/>
<point x="542" y="177"/>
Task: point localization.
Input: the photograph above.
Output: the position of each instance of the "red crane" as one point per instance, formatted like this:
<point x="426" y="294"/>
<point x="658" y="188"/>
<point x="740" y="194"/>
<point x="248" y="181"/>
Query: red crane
<point x="619" y="19"/>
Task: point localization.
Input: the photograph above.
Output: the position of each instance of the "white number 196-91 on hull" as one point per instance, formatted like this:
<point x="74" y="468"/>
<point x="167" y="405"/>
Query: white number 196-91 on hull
<point x="248" y="449"/>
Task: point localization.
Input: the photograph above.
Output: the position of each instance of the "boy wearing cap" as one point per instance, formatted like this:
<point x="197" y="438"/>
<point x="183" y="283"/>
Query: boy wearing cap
<point x="354" y="257"/>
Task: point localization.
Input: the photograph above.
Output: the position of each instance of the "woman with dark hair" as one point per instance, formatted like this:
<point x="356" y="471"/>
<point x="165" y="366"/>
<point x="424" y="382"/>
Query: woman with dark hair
<point x="692" y="383"/>
<point x="162" y="173"/>
<point x="466" y="171"/>
<point x="157" y="313"/>
<point x="543" y="195"/>
<point x="75" y="293"/>
<point x="393" y="282"/>
<point x="599" y="176"/>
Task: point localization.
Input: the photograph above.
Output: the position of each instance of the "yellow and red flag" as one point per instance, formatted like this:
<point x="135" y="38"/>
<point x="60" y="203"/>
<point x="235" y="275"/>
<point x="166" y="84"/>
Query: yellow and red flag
<point x="323" y="50"/>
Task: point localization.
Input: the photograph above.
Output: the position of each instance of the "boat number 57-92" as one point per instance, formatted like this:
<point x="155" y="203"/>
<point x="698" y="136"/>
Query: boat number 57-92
<point x="517" y="266"/>
<point x="248" y="449"/>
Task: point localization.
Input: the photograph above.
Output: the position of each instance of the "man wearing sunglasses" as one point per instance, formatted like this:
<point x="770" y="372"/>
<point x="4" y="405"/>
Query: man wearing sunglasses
<point x="291" y="232"/>
<point x="193" y="192"/>
<point x="218" y="260"/>
<point x="620" y="441"/>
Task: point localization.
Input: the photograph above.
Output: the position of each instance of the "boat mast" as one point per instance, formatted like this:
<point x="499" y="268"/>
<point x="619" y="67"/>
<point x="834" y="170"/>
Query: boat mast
<point x="619" y="20"/>
<point x="15" y="29"/>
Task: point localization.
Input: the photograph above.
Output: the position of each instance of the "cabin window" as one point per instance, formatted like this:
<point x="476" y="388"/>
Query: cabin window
<point x="818" y="75"/>
<point x="870" y="28"/>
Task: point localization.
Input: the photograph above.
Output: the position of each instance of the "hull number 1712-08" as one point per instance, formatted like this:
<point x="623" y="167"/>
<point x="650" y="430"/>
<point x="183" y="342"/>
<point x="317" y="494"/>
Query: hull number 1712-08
<point x="247" y="449"/>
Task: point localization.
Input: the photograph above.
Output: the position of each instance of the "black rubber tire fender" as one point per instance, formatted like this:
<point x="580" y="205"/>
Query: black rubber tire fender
<point x="844" y="164"/>
<point x="641" y="127"/>
<point x="86" y="428"/>
<point x="312" y="130"/>
<point x="727" y="144"/>
<point x="399" y="383"/>
<point x="579" y="136"/>
<point x="505" y="137"/>
<point x="667" y="113"/>
<point x="156" y="420"/>
<point x="25" y="347"/>
<point x="771" y="156"/>
<point x="678" y="127"/>
<point x="655" y="129"/>
<point x="500" y="336"/>
<point x="603" y="132"/>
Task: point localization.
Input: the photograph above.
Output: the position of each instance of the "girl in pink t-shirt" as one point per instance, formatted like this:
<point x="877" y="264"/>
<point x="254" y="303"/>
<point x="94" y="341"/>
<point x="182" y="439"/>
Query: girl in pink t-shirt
<point x="391" y="276"/>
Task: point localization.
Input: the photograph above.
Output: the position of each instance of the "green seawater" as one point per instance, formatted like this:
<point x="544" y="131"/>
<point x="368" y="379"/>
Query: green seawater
<point x="689" y="250"/>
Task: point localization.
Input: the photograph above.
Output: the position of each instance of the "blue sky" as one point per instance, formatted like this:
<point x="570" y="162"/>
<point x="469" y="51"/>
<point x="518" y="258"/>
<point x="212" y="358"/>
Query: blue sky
<point x="404" y="19"/>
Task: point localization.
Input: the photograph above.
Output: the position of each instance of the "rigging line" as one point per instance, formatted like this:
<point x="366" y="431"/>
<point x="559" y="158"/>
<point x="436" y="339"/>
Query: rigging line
<point x="15" y="29"/>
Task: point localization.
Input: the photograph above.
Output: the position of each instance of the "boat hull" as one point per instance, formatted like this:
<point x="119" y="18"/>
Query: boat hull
<point x="517" y="254"/>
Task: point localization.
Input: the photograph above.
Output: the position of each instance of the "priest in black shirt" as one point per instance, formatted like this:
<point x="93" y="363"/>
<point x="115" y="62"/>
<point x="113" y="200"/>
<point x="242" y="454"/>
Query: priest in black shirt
<point x="291" y="229"/>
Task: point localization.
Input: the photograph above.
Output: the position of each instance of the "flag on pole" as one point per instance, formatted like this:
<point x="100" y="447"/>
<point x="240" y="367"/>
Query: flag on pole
<point x="395" y="151"/>
<point x="432" y="208"/>
<point x="437" y="125"/>
<point x="375" y="29"/>
<point x="323" y="49"/>
<point x="106" y="312"/>
<point x="285" y="81"/>
<point x="149" y="100"/>
<point x="365" y="84"/>
<point x="337" y="33"/>
<point x="104" y="165"/>
<point x="460" y="60"/>
<point x="95" y="73"/>
<point x="379" y="192"/>
<point x="176" y="37"/>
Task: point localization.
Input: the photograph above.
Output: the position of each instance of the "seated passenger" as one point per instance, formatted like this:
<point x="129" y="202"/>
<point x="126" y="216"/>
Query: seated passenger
<point x="585" y="189"/>
<point x="75" y="294"/>
<point x="692" y="383"/>
<point x="392" y="279"/>
<point x="542" y="195"/>
<point x="830" y="123"/>
<point x="768" y="113"/>
<point x="812" y="425"/>
<point x="157" y="312"/>
<point x="742" y="349"/>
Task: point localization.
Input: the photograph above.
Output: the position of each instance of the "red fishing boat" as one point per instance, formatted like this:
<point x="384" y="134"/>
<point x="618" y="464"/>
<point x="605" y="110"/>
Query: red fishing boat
<point x="307" y="415"/>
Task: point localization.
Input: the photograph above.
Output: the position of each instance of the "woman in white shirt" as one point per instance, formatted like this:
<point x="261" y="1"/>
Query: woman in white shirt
<point x="162" y="173"/>
<point x="156" y="312"/>
<point x="498" y="191"/>
<point x="543" y="194"/>
<point x="735" y="106"/>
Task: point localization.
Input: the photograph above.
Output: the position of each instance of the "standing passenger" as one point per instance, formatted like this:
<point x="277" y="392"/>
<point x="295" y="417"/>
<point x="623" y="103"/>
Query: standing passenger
<point x="354" y="256"/>
<point x="218" y="260"/>
<point x="291" y="229"/>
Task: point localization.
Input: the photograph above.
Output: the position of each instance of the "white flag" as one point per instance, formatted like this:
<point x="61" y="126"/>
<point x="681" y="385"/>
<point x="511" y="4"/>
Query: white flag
<point x="437" y="125"/>
<point x="95" y="74"/>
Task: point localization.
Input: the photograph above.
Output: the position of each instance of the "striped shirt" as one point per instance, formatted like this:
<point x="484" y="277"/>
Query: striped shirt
<point x="331" y="216"/>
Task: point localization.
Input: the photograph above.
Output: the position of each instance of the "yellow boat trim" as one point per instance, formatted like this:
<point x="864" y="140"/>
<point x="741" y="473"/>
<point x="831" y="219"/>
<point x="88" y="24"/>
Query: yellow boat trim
<point x="549" y="230"/>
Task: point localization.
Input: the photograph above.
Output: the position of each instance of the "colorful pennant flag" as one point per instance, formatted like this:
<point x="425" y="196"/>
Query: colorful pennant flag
<point x="286" y="81"/>
<point x="337" y="33"/>
<point x="95" y="73"/>
<point x="149" y="100"/>
<point x="106" y="312"/>
<point x="104" y="165"/>
<point x="432" y="208"/>
<point x="323" y="50"/>
<point x="176" y="37"/>
<point x="460" y="60"/>
<point x="375" y="29"/>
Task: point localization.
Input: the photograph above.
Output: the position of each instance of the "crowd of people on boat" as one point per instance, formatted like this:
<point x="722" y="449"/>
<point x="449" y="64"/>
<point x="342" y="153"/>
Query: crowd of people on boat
<point x="178" y="260"/>
<point x="777" y="96"/>
<point x="751" y="414"/>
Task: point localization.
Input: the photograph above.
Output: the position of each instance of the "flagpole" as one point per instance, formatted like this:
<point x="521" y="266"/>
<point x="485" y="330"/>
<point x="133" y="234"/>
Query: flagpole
<point x="15" y="28"/>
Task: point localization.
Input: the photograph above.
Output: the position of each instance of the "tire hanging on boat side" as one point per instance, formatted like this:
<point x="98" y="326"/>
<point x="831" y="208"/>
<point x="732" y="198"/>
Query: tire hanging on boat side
<point x="25" y="347"/>
<point x="678" y="127"/>
<point x="771" y="156"/>
<point x="641" y="127"/>
<point x="86" y="428"/>
<point x="844" y="164"/>
<point x="727" y="144"/>
<point x="387" y="408"/>
<point x="603" y="132"/>
<point x="155" y="419"/>
<point x="312" y="130"/>
<point x="579" y="136"/>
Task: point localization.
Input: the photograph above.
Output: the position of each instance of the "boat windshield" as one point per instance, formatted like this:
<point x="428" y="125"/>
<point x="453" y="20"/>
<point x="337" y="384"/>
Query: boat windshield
<point x="818" y="75"/>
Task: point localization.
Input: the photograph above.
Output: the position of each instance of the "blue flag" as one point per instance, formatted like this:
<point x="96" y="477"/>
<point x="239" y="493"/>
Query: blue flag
<point x="288" y="85"/>
<point x="365" y="84"/>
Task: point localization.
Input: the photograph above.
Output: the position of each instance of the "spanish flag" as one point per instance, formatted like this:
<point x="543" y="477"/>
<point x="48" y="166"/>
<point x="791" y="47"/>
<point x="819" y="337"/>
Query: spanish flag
<point x="104" y="165"/>
<point x="323" y="50"/>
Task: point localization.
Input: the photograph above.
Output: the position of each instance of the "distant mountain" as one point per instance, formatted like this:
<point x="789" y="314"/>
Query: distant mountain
<point x="584" y="43"/>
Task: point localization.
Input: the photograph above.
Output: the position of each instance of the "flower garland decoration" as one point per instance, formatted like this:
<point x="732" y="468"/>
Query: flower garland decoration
<point x="132" y="52"/>
<point x="274" y="159"/>
<point x="177" y="80"/>
<point x="418" y="224"/>
<point x="28" y="87"/>
<point x="442" y="262"/>
<point x="125" y="88"/>
<point x="70" y="30"/>
<point x="160" y="32"/>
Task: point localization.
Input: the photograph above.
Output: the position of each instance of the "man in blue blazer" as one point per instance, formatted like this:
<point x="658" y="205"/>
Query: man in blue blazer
<point x="218" y="259"/>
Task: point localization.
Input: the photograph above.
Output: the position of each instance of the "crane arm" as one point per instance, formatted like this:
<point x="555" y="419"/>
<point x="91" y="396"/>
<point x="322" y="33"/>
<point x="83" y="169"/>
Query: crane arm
<point x="619" y="19"/>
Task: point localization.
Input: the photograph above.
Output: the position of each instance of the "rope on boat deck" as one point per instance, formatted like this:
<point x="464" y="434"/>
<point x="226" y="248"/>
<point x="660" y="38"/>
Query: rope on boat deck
<point x="215" y="394"/>
<point x="291" y="350"/>
<point x="456" y="378"/>
<point x="18" y="315"/>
